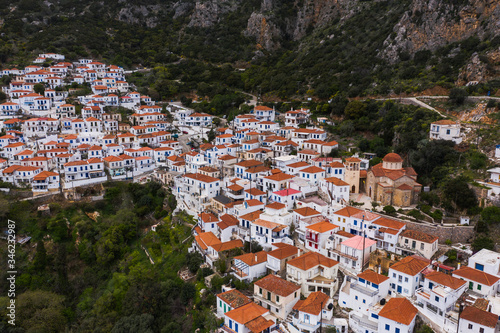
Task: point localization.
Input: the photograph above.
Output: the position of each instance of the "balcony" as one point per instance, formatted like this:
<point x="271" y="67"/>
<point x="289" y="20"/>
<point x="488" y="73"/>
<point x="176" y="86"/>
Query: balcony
<point x="368" y="292"/>
<point x="267" y="301"/>
<point x="364" y="322"/>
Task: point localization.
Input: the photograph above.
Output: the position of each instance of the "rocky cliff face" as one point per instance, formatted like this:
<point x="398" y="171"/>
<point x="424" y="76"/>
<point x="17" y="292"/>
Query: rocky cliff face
<point x="434" y="23"/>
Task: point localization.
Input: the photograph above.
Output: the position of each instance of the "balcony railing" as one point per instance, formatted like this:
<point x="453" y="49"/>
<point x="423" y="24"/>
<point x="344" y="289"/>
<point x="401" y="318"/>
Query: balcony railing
<point x="364" y="290"/>
<point x="267" y="301"/>
<point x="364" y="322"/>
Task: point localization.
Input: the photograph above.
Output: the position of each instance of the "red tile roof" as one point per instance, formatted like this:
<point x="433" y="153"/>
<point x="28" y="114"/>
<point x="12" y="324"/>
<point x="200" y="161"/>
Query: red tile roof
<point x="277" y="285"/>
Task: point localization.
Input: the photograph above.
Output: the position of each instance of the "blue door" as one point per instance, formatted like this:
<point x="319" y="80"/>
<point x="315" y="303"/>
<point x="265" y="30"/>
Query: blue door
<point x="399" y="289"/>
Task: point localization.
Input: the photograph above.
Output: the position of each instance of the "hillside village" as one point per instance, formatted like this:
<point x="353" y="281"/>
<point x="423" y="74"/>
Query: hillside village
<point x="322" y="255"/>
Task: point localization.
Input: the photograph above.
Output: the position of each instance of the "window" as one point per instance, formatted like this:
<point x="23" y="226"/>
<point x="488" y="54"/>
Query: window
<point x="470" y="326"/>
<point x="374" y="315"/>
<point x="479" y="267"/>
<point x="277" y="299"/>
<point x="478" y="287"/>
<point x="364" y="301"/>
<point x="356" y="297"/>
<point x="361" y="280"/>
<point x="406" y="279"/>
<point x="387" y="327"/>
<point x="260" y="291"/>
<point x="397" y="330"/>
<point x="236" y="327"/>
<point x="471" y="285"/>
<point x="436" y="298"/>
<point x="481" y="330"/>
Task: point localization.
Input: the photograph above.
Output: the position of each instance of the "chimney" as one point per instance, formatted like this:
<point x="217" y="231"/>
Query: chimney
<point x="379" y="268"/>
<point x="458" y="266"/>
<point x="255" y="258"/>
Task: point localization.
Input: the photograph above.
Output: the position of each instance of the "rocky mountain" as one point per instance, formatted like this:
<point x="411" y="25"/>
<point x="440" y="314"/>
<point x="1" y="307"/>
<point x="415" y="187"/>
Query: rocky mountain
<point x="333" y="33"/>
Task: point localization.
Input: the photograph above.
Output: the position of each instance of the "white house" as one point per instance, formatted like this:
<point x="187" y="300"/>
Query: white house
<point x="445" y="130"/>
<point x="397" y="316"/>
<point x="249" y="266"/>
<point x="312" y="310"/>
<point x="437" y="298"/>
<point x="406" y="275"/>
<point x="486" y="261"/>
<point x="248" y="318"/>
<point x="473" y="320"/>
<point x="478" y="281"/>
<point x="229" y="300"/>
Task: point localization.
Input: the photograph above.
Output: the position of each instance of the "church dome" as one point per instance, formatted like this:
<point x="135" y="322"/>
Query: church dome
<point x="392" y="158"/>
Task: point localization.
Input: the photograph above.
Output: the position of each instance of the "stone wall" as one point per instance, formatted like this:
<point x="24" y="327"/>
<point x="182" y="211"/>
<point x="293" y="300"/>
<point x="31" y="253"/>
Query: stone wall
<point x="457" y="234"/>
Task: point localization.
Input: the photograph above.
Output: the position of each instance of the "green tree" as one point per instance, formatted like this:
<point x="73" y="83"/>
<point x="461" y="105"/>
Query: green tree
<point x="135" y="323"/>
<point x="483" y="242"/>
<point x="41" y="311"/>
<point x="355" y="110"/>
<point x="458" y="96"/>
<point x="491" y="215"/>
<point x="39" y="88"/>
<point x="40" y="259"/>
<point x="389" y="210"/>
<point x="458" y="191"/>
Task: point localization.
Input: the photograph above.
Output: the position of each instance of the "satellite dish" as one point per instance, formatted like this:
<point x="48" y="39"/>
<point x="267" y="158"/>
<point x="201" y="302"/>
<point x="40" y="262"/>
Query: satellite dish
<point x="382" y="301"/>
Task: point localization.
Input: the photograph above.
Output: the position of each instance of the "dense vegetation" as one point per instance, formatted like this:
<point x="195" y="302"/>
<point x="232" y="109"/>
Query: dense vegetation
<point x="341" y="57"/>
<point x="88" y="272"/>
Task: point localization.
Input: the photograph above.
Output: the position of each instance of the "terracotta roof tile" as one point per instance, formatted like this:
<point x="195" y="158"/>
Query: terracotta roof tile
<point x="476" y="275"/>
<point x="277" y="285"/>
<point x="479" y="316"/>
<point x="399" y="310"/>
<point x="310" y="260"/>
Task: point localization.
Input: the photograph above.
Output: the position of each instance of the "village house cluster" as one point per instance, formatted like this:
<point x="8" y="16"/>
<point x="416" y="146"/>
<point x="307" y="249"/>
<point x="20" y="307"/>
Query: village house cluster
<point x="262" y="182"/>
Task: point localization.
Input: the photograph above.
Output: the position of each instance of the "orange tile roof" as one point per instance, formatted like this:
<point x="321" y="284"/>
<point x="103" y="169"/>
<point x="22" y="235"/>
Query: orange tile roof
<point x="249" y="163"/>
<point x="276" y="205"/>
<point x="373" y="276"/>
<point x="252" y="259"/>
<point x="246" y="313"/>
<point x="251" y="216"/>
<point x="410" y="265"/>
<point x="279" y="177"/>
<point x="476" y="275"/>
<point x="201" y="178"/>
<point x="336" y="181"/>
<point x="44" y="174"/>
<point x="311" y="259"/>
<point x="313" y="303"/>
<point x="389" y="223"/>
<point x="234" y="298"/>
<point x="255" y="191"/>
<point x="313" y="169"/>
<point x="259" y="324"/>
<point x="399" y="310"/>
<point x="206" y="239"/>
<point x="228" y="245"/>
<point x="276" y="227"/>
<point x="307" y="211"/>
<point x="419" y="235"/>
<point x="283" y="251"/>
<point x="479" y="316"/>
<point x="444" y="122"/>
<point x="445" y="280"/>
<point x="322" y="227"/>
<point x="208" y="217"/>
<point x="348" y="211"/>
<point x="227" y="221"/>
<point x="277" y="285"/>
